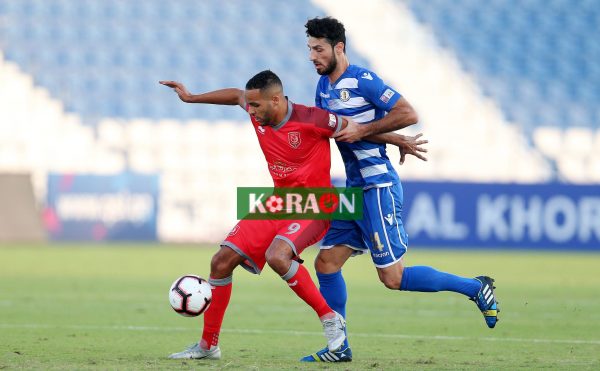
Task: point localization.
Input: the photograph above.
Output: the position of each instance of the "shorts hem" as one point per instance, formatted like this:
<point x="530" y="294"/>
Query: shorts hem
<point x="252" y="267"/>
<point x="292" y="245"/>
<point x="388" y="264"/>
<point x="327" y="247"/>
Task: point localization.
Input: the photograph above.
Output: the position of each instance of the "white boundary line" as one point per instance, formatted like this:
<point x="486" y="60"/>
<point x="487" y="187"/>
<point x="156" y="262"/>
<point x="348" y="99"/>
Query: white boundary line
<point x="299" y="333"/>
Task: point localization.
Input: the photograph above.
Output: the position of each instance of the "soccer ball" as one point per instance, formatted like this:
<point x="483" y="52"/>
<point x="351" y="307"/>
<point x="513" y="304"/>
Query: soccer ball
<point x="190" y="295"/>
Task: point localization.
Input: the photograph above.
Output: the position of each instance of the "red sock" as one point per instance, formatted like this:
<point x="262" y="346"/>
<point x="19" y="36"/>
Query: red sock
<point x="305" y="288"/>
<point x="213" y="317"/>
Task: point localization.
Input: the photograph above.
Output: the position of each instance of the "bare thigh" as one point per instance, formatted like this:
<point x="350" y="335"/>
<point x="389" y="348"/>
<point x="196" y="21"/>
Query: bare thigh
<point x="224" y="262"/>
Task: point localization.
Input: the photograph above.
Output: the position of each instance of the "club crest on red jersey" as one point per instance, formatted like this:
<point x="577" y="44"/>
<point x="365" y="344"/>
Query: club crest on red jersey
<point x="294" y="139"/>
<point x="235" y="230"/>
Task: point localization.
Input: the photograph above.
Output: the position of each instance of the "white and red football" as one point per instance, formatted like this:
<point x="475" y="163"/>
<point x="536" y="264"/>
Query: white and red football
<point x="190" y="295"/>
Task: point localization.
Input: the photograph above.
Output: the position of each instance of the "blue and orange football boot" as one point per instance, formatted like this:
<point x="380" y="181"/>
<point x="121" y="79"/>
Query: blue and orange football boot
<point x="486" y="300"/>
<point x="325" y="355"/>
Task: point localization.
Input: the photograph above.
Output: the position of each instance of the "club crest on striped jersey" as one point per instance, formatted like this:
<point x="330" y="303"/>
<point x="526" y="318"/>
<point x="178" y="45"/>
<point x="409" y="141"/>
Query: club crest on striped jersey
<point x="294" y="139"/>
<point x="344" y="95"/>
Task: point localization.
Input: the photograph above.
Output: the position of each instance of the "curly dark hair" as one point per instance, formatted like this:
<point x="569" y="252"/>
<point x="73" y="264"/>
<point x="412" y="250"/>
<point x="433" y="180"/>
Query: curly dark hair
<point x="328" y="28"/>
<point x="264" y="80"/>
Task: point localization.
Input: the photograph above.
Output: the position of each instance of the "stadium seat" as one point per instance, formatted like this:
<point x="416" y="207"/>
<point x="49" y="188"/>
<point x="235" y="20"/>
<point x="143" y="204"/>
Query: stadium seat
<point x="537" y="44"/>
<point x="578" y="140"/>
<point x="549" y="141"/>
<point x="121" y="38"/>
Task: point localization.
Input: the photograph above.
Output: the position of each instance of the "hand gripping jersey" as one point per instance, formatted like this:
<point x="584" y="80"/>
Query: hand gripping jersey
<point x="362" y="95"/>
<point x="297" y="149"/>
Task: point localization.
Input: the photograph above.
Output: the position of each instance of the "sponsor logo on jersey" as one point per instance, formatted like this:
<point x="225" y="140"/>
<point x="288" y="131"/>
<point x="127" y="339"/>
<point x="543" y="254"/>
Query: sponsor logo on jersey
<point x="380" y="255"/>
<point x="332" y="120"/>
<point x="385" y="97"/>
<point x="260" y="129"/>
<point x="323" y="95"/>
<point x="294" y="139"/>
<point x="389" y="218"/>
<point x="344" y="95"/>
<point x="367" y="75"/>
<point x="281" y="169"/>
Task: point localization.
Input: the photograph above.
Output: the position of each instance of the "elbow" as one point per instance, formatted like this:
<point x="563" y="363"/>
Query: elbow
<point x="412" y="118"/>
<point x="409" y="118"/>
<point x="405" y="116"/>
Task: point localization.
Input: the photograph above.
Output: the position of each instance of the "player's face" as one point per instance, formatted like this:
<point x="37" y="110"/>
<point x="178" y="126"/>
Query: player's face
<point x="322" y="55"/>
<point x="260" y="106"/>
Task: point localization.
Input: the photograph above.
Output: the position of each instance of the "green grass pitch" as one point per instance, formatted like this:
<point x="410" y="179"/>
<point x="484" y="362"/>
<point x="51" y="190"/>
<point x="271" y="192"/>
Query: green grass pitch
<point x="105" y="307"/>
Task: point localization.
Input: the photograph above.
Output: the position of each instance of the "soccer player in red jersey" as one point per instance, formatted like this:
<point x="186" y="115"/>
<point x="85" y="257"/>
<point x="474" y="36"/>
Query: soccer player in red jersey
<point x="294" y="138"/>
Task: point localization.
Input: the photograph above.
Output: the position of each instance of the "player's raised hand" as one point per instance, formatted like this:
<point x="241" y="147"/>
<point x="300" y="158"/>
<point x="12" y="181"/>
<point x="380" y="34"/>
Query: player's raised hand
<point x="412" y="146"/>
<point x="351" y="131"/>
<point x="179" y="88"/>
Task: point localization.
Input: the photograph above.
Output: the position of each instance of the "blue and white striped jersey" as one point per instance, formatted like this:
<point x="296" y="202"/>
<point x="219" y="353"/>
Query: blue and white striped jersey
<point x="362" y="95"/>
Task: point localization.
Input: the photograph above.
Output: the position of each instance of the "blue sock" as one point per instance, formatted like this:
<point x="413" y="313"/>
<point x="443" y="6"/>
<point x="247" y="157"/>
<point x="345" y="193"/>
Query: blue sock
<point x="333" y="289"/>
<point x="427" y="279"/>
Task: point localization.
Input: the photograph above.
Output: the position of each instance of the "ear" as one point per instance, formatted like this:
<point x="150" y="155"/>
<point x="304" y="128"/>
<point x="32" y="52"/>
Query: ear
<point x="339" y="48"/>
<point x="275" y="99"/>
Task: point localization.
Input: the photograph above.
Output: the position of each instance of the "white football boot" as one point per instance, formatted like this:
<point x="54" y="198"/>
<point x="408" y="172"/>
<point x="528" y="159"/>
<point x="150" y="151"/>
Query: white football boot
<point x="196" y="352"/>
<point x="335" y="331"/>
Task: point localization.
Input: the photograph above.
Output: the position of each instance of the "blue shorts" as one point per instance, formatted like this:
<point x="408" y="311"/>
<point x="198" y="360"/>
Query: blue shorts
<point x="380" y="232"/>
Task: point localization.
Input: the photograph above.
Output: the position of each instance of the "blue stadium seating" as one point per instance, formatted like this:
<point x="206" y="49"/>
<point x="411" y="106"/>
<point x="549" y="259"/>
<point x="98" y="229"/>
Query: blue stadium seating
<point x="537" y="58"/>
<point x="103" y="58"/>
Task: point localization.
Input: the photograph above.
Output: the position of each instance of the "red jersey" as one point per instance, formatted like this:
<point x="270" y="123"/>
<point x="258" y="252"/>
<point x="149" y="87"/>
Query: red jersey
<point x="297" y="149"/>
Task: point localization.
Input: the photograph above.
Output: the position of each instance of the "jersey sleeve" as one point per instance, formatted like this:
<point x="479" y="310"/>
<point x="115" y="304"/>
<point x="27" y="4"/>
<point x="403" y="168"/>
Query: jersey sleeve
<point x="318" y="99"/>
<point x="373" y="89"/>
<point x="326" y="123"/>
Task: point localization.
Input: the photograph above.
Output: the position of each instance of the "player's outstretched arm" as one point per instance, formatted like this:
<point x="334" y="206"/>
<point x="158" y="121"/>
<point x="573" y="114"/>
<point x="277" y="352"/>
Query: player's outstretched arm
<point x="408" y="145"/>
<point x="229" y="96"/>
<point x="400" y="116"/>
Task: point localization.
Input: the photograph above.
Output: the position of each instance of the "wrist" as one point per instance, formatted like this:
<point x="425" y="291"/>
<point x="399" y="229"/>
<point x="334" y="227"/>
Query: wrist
<point x="364" y="130"/>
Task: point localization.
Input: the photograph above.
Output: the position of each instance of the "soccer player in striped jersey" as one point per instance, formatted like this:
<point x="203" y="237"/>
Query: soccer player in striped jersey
<point x="357" y="92"/>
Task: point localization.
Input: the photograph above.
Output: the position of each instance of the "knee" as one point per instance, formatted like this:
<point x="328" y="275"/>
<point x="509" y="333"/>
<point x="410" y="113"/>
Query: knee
<point x="220" y="267"/>
<point x="327" y="264"/>
<point x="321" y="264"/>
<point x="277" y="260"/>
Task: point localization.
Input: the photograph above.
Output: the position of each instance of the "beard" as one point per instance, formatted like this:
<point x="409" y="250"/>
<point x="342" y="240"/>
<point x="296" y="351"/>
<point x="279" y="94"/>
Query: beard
<point x="330" y="67"/>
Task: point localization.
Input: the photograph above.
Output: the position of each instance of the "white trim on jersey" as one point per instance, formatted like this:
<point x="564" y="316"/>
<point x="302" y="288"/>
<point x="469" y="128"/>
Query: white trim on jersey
<point x="381" y="185"/>
<point x="361" y="154"/>
<point x="384" y="226"/>
<point x="365" y="116"/>
<point x="356" y="102"/>
<point x="396" y="218"/>
<point x="347" y="83"/>
<point x="373" y="170"/>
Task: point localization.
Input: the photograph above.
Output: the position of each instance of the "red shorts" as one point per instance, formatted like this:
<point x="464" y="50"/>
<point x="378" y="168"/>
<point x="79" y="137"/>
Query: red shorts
<point x="252" y="238"/>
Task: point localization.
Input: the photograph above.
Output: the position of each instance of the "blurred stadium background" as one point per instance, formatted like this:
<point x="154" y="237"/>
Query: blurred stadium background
<point x="93" y="148"/>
